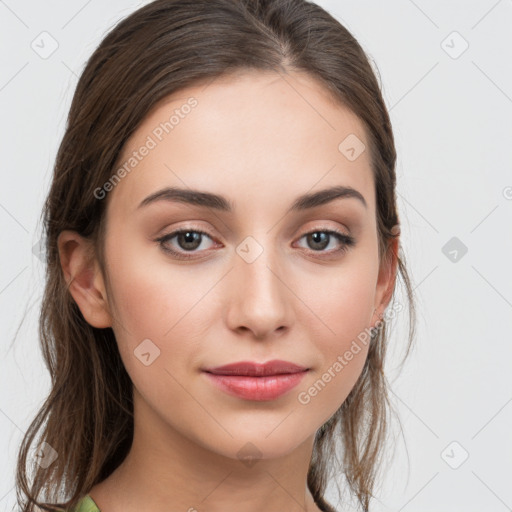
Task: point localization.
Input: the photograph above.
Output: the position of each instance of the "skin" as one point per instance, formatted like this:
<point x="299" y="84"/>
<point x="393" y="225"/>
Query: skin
<point x="260" y="139"/>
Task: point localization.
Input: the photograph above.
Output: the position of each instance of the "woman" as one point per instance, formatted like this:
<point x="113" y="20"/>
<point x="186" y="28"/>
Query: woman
<point x="223" y="246"/>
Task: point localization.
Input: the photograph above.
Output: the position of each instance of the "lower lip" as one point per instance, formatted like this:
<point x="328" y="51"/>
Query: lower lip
<point x="257" y="388"/>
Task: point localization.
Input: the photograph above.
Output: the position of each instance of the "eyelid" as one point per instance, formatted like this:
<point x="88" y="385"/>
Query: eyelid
<point x="325" y="228"/>
<point x="189" y="226"/>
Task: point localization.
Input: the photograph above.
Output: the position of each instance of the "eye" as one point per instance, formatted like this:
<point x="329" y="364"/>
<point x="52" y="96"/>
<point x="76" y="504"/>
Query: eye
<point x="188" y="240"/>
<point x="319" y="240"/>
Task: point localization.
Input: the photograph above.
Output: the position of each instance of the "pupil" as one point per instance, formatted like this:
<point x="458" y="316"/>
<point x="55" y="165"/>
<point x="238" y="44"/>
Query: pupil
<point x="317" y="239"/>
<point x="188" y="238"/>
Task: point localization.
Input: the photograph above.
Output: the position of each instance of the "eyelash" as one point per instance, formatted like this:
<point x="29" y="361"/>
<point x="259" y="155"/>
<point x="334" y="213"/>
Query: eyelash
<point x="346" y="241"/>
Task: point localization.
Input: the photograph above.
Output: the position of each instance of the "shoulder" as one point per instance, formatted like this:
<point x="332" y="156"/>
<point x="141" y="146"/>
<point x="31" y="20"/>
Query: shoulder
<point x="86" y="504"/>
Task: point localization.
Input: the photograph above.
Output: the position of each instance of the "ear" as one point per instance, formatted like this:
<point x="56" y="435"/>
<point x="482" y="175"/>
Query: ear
<point x="83" y="276"/>
<point x="386" y="280"/>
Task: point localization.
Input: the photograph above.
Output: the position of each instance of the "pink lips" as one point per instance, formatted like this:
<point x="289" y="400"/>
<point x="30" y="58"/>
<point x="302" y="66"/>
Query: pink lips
<point x="254" y="381"/>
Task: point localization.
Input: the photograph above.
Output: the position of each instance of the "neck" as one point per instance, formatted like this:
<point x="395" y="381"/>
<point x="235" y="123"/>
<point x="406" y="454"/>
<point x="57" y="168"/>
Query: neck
<point x="167" y="471"/>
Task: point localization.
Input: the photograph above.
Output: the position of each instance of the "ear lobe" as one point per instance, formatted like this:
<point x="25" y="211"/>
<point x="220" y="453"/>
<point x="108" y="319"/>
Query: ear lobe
<point x="83" y="276"/>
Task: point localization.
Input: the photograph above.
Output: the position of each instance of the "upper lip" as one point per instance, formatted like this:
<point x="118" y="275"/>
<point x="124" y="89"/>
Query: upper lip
<point x="251" y="369"/>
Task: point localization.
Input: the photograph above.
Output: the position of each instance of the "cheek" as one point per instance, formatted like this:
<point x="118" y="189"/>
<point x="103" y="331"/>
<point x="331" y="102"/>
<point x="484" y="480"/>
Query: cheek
<point x="151" y="295"/>
<point x="164" y="303"/>
<point x="342" y="301"/>
<point x="340" y="332"/>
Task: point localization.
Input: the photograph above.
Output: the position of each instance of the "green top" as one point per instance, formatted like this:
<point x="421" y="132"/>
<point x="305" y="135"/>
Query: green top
<point x="86" y="504"/>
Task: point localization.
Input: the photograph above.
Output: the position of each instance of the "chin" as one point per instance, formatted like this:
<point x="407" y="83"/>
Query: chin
<point x="257" y="444"/>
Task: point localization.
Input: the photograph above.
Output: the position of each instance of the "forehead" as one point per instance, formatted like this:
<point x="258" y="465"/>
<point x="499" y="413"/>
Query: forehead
<point x="262" y="135"/>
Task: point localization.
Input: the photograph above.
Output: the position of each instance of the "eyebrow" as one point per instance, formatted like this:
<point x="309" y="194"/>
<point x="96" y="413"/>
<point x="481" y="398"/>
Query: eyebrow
<point x="218" y="202"/>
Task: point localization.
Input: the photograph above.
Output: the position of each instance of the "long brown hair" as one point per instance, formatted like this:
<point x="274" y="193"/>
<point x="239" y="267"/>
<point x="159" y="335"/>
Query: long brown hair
<point x="159" y="49"/>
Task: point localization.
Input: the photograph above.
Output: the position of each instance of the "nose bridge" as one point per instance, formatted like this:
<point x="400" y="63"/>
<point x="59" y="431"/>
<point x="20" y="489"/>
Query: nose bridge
<point x="261" y="299"/>
<point x="257" y="261"/>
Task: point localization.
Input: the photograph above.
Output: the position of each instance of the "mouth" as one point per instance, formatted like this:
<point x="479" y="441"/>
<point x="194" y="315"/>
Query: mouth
<point x="252" y="369"/>
<point x="255" y="381"/>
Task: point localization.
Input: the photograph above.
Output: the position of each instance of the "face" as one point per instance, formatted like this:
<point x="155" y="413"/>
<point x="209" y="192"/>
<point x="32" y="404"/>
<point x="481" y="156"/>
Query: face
<point x="255" y="275"/>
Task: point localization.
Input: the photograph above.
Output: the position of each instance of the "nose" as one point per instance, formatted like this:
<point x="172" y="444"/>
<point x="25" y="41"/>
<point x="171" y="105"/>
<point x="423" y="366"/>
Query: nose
<point x="261" y="295"/>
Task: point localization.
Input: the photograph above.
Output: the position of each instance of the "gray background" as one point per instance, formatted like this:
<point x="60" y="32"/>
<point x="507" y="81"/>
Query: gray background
<point x="451" y="111"/>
